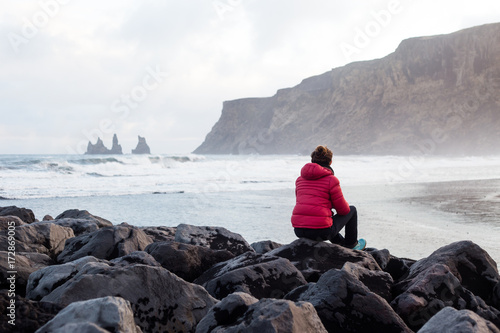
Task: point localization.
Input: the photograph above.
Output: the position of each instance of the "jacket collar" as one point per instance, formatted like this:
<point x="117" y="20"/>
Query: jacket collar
<point x="313" y="171"/>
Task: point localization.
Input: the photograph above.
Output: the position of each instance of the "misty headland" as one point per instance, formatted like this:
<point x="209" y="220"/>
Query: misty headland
<point x="433" y="95"/>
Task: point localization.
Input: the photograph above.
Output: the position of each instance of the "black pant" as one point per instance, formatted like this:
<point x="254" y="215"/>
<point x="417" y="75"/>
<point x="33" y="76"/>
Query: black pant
<point x="349" y="221"/>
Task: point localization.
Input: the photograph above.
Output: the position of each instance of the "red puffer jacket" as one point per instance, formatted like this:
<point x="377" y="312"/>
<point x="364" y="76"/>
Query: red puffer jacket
<point x="317" y="191"/>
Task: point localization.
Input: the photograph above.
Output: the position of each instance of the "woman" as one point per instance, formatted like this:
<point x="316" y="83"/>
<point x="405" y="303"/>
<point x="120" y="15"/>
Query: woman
<point x="317" y="192"/>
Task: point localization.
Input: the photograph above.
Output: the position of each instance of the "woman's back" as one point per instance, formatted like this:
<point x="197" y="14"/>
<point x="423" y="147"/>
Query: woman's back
<point x="317" y="192"/>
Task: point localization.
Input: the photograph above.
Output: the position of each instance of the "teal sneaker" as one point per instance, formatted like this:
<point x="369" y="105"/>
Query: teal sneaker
<point x="361" y="245"/>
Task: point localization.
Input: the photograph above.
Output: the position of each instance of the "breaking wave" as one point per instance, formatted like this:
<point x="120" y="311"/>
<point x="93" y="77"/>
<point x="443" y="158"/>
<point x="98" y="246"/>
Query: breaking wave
<point x="46" y="176"/>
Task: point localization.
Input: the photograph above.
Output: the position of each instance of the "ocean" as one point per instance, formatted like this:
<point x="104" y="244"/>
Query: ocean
<point x="410" y="205"/>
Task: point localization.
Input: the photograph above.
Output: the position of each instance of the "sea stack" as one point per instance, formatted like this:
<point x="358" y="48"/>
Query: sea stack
<point x="99" y="149"/>
<point x="116" y="148"/>
<point x="142" y="147"/>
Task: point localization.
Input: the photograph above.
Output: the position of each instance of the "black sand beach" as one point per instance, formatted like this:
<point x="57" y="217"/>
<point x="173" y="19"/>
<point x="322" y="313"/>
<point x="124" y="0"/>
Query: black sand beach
<point x="412" y="219"/>
<point x="474" y="201"/>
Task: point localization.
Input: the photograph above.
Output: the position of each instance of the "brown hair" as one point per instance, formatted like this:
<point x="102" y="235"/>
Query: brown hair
<point x="322" y="156"/>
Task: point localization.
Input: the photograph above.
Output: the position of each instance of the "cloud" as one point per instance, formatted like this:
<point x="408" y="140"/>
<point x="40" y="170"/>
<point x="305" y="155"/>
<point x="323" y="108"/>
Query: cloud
<point x="68" y="73"/>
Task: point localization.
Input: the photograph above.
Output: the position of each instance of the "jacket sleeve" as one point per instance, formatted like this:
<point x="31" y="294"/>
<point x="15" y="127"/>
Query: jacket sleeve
<point x="337" y="197"/>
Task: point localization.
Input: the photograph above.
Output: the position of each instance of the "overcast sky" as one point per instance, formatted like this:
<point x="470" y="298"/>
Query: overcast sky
<point x="72" y="70"/>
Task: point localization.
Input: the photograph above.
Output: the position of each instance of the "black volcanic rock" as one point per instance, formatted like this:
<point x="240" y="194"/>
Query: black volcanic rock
<point x="215" y="238"/>
<point x="99" y="149"/>
<point x="291" y="285"/>
<point x="26" y="215"/>
<point x="378" y="282"/>
<point x="433" y="290"/>
<point x="9" y="220"/>
<point x="345" y="304"/>
<point x="495" y="298"/>
<point x="105" y="314"/>
<point x="185" y="260"/>
<point x="160" y="233"/>
<point x="46" y="238"/>
<point x="45" y="280"/>
<point x="256" y="274"/>
<point x="314" y="258"/>
<point x="265" y="246"/>
<point x="161" y="301"/>
<point x="240" y="312"/>
<point x="105" y="243"/>
<point x="30" y="315"/>
<point x="468" y="262"/>
<point x="25" y="264"/>
<point x="81" y="221"/>
<point x="398" y="268"/>
<point x="84" y="215"/>
<point x="460" y="275"/>
<point x="142" y="147"/>
<point x="433" y="95"/>
<point x="451" y="320"/>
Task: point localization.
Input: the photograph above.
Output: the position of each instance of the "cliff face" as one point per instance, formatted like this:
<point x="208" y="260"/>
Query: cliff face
<point x="434" y="95"/>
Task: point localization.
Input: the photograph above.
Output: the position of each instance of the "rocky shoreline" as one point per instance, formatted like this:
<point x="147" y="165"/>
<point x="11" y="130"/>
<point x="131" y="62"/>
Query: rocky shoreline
<point x="80" y="272"/>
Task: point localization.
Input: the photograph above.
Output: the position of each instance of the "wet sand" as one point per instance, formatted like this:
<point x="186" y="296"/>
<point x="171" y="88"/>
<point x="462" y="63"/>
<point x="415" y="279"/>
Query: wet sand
<point x="413" y="220"/>
<point x="472" y="200"/>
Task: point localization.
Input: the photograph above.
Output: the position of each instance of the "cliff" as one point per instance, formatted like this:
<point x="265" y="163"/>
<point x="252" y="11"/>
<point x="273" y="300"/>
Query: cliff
<point x="433" y="95"/>
<point x="142" y="147"/>
<point x="99" y="149"/>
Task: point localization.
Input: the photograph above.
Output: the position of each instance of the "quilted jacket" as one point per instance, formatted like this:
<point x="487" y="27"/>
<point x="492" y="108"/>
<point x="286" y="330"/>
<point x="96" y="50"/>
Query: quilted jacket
<point x="317" y="192"/>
